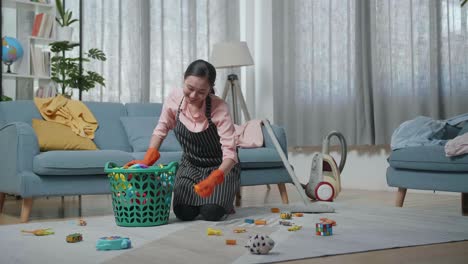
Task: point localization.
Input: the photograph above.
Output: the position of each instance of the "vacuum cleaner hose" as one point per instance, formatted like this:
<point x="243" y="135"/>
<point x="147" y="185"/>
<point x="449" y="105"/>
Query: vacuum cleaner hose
<point x="344" y="147"/>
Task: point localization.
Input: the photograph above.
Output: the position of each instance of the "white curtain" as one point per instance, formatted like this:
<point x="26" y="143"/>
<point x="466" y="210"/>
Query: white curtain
<point x="149" y="43"/>
<point x="364" y="66"/>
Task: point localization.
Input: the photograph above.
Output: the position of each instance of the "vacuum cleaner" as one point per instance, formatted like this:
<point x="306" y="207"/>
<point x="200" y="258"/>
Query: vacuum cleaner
<point x="308" y="205"/>
<point x="324" y="181"/>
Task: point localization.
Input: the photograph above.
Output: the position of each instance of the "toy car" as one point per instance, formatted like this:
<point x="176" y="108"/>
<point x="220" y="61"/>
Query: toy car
<point x="113" y="243"/>
<point x="73" y="238"/>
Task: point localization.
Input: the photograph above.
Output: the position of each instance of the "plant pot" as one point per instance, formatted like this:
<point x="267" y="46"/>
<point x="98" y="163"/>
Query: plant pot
<point x="64" y="33"/>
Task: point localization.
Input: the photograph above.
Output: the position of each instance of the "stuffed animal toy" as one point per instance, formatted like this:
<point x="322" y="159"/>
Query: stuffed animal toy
<point x="260" y="244"/>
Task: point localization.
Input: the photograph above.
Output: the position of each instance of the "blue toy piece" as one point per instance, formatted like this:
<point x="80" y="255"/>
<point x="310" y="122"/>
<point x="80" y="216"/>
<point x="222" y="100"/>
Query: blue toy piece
<point x="138" y="166"/>
<point x="113" y="243"/>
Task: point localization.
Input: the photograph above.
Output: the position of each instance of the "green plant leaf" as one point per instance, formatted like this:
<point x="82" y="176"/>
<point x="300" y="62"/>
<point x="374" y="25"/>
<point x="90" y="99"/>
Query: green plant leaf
<point x="6" y="98"/>
<point x="96" y="54"/>
<point x="463" y="2"/>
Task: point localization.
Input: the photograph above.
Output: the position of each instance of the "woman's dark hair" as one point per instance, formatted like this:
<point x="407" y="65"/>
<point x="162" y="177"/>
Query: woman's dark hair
<point x="203" y="69"/>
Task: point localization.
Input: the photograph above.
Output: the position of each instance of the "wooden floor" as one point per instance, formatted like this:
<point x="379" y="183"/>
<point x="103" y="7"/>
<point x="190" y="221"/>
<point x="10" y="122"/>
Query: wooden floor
<point x="95" y="205"/>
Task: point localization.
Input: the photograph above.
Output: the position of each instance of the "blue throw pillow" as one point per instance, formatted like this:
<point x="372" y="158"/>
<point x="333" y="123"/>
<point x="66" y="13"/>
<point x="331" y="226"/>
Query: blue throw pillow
<point x="139" y="130"/>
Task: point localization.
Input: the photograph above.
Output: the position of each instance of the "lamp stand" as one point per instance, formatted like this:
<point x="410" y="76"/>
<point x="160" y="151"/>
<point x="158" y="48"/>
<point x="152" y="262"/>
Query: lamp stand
<point x="232" y="85"/>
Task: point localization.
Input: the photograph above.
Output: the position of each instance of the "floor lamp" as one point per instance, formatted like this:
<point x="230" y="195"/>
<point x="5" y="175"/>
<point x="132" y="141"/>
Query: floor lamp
<point x="231" y="55"/>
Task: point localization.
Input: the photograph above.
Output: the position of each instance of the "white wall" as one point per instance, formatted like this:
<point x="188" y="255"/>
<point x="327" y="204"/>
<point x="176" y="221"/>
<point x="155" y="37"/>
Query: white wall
<point x="365" y="167"/>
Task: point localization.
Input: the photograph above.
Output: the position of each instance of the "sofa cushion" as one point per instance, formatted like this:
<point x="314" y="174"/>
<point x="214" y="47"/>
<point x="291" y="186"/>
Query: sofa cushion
<point x="139" y="131"/>
<point x="110" y="133"/>
<point x="18" y="111"/>
<point x="81" y="162"/>
<point x="143" y="109"/>
<point x="56" y="136"/>
<point x="255" y="158"/>
<point x="429" y="158"/>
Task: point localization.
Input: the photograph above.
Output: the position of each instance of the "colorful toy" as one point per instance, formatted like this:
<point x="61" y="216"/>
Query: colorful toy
<point x="260" y="222"/>
<point x="324" y="182"/>
<point x="82" y="222"/>
<point x="138" y="166"/>
<point x="73" y="238"/>
<point x="40" y="232"/>
<point x="322" y="229"/>
<point x="285" y="223"/>
<point x="260" y="244"/>
<point x="113" y="243"/>
<point x="285" y="215"/>
<point x="249" y="221"/>
<point x="328" y="221"/>
<point x="231" y="242"/>
<point x="295" y="228"/>
<point x="213" y="232"/>
<point x="275" y="210"/>
<point x="298" y="214"/>
<point x="240" y="230"/>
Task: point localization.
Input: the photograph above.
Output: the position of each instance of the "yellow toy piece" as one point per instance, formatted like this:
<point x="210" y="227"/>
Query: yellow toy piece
<point x="40" y="232"/>
<point x="295" y="228"/>
<point x="213" y="232"/>
<point x="240" y="230"/>
<point x="285" y="215"/>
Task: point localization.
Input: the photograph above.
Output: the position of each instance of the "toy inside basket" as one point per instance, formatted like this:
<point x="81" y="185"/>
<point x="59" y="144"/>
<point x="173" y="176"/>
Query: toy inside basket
<point x="141" y="196"/>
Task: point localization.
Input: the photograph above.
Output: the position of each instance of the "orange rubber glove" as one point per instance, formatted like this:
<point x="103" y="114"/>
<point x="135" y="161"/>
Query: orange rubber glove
<point x="151" y="156"/>
<point x="206" y="187"/>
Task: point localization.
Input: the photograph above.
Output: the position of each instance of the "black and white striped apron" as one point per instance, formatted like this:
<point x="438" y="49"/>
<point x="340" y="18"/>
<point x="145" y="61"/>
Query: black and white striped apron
<point x="202" y="154"/>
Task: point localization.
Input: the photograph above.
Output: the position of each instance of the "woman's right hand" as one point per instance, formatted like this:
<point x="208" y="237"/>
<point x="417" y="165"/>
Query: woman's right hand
<point x="151" y="156"/>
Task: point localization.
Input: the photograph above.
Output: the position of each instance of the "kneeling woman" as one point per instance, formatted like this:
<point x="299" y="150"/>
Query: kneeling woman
<point x="209" y="173"/>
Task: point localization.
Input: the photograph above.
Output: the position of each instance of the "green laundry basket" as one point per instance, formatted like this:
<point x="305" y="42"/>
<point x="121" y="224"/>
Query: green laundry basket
<point x="141" y="197"/>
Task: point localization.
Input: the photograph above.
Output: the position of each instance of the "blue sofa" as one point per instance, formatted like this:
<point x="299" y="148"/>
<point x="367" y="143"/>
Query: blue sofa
<point x="427" y="168"/>
<point x="123" y="134"/>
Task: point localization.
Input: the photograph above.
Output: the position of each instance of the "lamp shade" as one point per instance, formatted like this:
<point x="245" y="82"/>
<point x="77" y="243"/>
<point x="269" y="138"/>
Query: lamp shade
<point x="231" y="54"/>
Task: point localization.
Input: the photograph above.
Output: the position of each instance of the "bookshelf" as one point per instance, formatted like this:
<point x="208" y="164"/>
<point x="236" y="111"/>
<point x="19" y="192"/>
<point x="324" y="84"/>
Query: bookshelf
<point x="32" y="71"/>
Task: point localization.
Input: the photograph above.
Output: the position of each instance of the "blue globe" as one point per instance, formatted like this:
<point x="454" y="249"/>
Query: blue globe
<point x="11" y="51"/>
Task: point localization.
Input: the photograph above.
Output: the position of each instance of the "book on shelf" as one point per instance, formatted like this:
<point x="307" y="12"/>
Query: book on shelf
<point x="40" y="61"/>
<point x="43" y="25"/>
<point x="46" y="90"/>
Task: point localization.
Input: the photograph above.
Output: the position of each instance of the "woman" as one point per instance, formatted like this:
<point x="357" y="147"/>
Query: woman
<point x="208" y="175"/>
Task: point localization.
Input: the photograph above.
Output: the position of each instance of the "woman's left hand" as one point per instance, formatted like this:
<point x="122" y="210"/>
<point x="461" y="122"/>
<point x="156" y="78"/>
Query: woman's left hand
<point x="206" y="187"/>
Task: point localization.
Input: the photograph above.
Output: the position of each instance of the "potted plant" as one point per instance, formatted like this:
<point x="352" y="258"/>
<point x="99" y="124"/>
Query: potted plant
<point x="64" y="31"/>
<point x="66" y="72"/>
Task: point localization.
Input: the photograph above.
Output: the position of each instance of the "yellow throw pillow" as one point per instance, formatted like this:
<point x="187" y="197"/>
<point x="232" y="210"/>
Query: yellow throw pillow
<point x="55" y="136"/>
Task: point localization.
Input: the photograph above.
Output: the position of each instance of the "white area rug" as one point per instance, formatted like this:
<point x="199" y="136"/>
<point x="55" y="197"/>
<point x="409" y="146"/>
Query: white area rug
<point x="359" y="229"/>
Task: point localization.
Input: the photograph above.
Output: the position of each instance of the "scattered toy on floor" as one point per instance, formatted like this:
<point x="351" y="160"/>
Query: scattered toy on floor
<point x="285" y="223"/>
<point x="260" y="222"/>
<point x="73" y="238"/>
<point x="260" y="244"/>
<point x="240" y="230"/>
<point x="249" y="221"/>
<point x="286" y="215"/>
<point x="231" y="242"/>
<point x="82" y="222"/>
<point x="40" y="232"/>
<point x="275" y="210"/>
<point x="298" y="214"/>
<point x="322" y="229"/>
<point x="295" y="228"/>
<point x="328" y="221"/>
<point x="213" y="232"/>
<point x="113" y="243"/>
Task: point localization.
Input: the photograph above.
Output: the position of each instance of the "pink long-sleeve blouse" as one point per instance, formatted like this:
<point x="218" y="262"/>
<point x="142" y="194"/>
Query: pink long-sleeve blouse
<point x="197" y="122"/>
